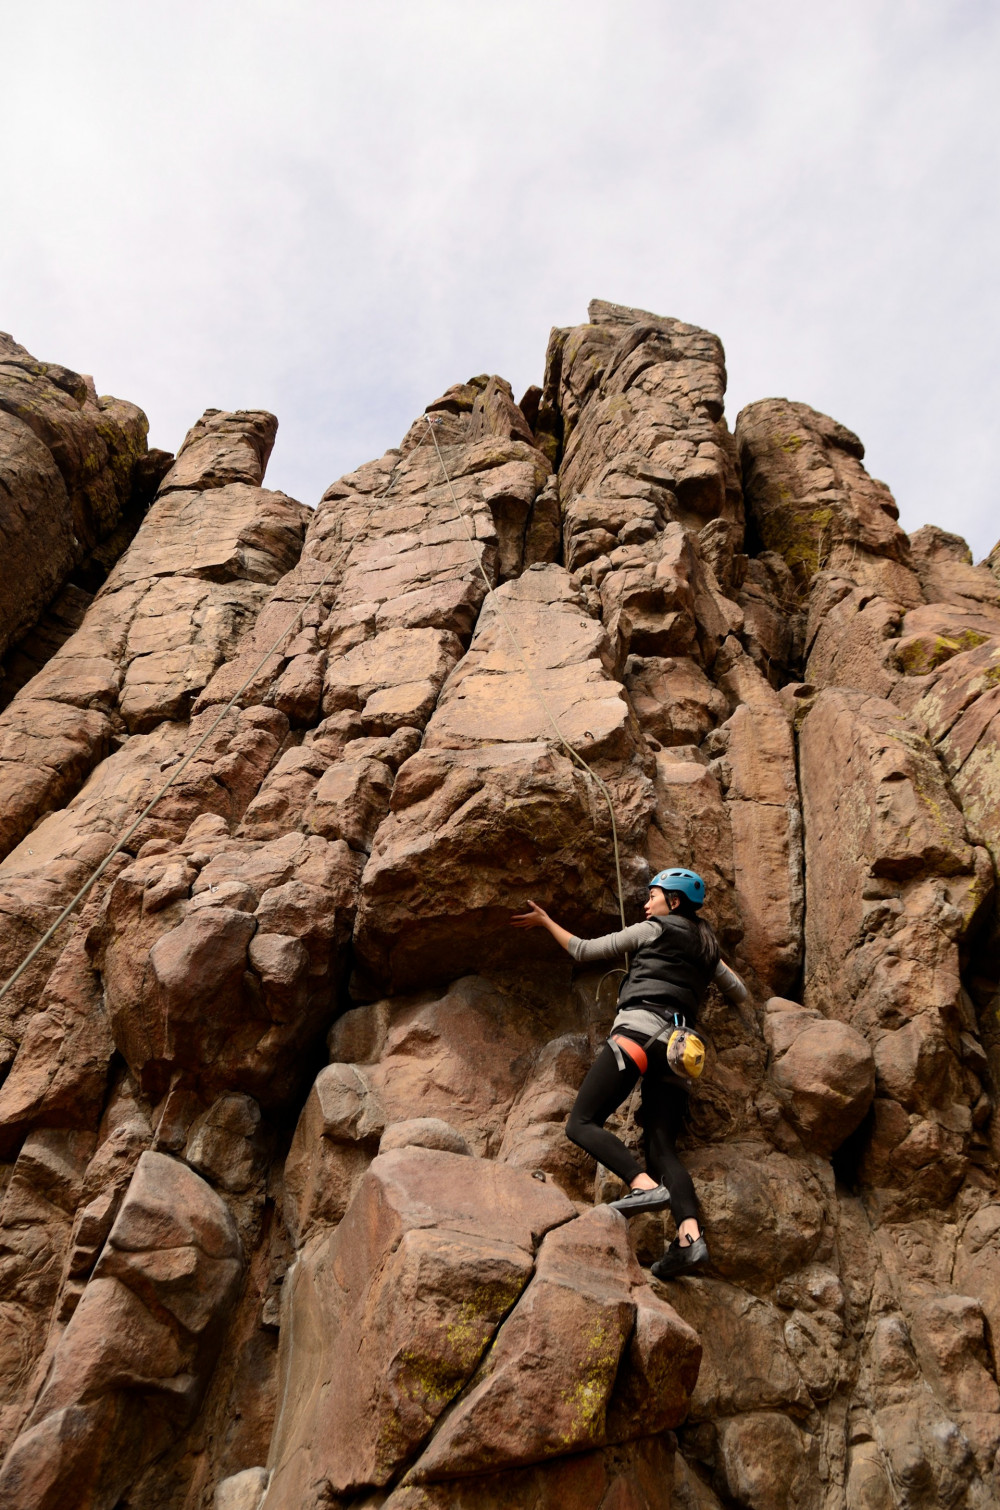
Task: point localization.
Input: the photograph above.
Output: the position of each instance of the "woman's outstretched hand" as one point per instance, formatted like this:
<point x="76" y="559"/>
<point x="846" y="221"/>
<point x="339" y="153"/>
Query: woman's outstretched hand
<point x="537" y="917"/>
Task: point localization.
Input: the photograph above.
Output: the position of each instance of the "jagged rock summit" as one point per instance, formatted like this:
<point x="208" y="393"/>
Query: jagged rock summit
<point x="289" y="1219"/>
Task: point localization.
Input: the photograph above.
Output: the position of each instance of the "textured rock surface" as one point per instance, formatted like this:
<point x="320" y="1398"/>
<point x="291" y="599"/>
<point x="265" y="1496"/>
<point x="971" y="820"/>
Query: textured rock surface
<point x="71" y="465"/>
<point x="170" y="610"/>
<point x="287" y="1212"/>
<point x="130" y="1368"/>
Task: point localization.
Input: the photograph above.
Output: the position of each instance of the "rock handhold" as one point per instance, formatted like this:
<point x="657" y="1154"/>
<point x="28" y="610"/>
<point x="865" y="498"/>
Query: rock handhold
<point x="823" y="1071"/>
<point x="424" y="1132"/>
<point x="335" y="1140"/>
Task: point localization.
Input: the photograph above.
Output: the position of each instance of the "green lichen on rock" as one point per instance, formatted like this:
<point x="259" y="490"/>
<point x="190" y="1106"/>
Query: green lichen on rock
<point x="429" y="1377"/>
<point x="587" y="1398"/>
<point x="796" y="532"/>
<point x="918" y="654"/>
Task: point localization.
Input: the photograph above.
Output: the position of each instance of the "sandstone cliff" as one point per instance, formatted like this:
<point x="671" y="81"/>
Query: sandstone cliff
<point x="288" y="1216"/>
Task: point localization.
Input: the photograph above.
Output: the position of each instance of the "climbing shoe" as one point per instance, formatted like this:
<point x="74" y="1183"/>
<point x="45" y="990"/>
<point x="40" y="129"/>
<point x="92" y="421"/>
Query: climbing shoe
<point x="642" y="1200"/>
<point x="678" y="1260"/>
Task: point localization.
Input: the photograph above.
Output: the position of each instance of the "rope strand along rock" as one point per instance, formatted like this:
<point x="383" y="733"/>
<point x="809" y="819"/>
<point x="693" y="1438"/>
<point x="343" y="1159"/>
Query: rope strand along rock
<point x="214" y="724"/>
<point x="536" y="688"/>
<point x="501" y="802"/>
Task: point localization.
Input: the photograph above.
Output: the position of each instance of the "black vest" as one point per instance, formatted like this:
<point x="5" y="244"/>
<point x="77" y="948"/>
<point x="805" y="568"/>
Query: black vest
<point x="666" y="973"/>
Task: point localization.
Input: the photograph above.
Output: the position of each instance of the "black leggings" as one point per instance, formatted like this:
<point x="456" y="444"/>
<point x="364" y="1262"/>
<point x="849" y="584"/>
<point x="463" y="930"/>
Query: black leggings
<point x="602" y="1092"/>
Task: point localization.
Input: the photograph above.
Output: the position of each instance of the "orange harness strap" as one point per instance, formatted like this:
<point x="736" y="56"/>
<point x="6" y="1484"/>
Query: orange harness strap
<point x="634" y="1052"/>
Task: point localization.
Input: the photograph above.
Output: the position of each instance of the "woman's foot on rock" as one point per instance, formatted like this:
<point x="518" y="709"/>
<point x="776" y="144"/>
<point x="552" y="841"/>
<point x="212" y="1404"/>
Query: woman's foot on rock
<point x="656" y="1199"/>
<point x="680" y="1259"/>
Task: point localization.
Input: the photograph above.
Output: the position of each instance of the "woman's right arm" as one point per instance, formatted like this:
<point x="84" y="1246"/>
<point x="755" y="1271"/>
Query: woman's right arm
<point x="588" y="951"/>
<point x="537" y="917"/>
<point x="613" y="945"/>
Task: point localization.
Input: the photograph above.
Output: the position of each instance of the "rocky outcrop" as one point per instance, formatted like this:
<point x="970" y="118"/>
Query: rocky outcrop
<point x="129" y="1370"/>
<point x="450" y="1271"/>
<point x="814" y="505"/>
<point x="168" y="613"/>
<point x="289" y="1217"/>
<point x="73" y="467"/>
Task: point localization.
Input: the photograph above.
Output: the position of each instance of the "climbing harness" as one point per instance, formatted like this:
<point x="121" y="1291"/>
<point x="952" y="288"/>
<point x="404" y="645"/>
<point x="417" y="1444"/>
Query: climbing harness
<point x="620" y="1046"/>
<point x="536" y="688"/>
<point x="685" y="1049"/>
<point x="88" y="886"/>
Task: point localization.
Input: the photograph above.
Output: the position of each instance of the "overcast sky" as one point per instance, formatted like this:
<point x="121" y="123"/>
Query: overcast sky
<point x="335" y="210"/>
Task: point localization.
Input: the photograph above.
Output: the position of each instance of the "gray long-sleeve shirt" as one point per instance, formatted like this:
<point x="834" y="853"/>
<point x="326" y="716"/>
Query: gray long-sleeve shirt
<point x="626" y="940"/>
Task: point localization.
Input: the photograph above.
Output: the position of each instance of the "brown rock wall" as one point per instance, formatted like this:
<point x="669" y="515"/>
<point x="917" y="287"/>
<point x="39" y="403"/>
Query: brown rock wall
<point x="70" y="465"/>
<point x="491" y="785"/>
<point x="129" y="1370"/>
<point x="235" y="1268"/>
<point x="169" y="612"/>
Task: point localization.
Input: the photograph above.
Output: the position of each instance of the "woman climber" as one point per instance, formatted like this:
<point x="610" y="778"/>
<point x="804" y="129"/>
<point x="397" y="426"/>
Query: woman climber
<point x="676" y="956"/>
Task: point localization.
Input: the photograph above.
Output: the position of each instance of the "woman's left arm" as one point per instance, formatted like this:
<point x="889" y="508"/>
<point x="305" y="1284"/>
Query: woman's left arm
<point x="735" y="990"/>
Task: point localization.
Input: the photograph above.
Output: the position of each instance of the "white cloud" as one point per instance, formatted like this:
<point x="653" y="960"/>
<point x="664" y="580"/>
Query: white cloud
<point x="334" y="211"/>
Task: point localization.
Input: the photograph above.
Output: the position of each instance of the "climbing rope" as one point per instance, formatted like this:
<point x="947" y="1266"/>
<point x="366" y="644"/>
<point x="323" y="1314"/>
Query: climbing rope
<point x="89" y="885"/>
<point x="535" y="685"/>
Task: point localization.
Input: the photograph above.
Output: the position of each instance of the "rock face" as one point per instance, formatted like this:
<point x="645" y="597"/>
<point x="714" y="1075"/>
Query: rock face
<point x="288" y="1217"/>
<point x="129" y="1370"/>
<point x="447" y="1272"/>
<point x="74" y="467"/>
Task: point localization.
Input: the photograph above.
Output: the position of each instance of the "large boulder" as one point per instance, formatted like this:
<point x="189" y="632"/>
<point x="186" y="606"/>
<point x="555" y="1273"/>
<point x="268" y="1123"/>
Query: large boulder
<point x="387" y="1317"/>
<point x="764" y="1212"/>
<point x="492" y="810"/>
<point x="130" y="1369"/>
<point x="589" y="1356"/>
<point x="823" y="1071"/>
<point x="432" y="1278"/>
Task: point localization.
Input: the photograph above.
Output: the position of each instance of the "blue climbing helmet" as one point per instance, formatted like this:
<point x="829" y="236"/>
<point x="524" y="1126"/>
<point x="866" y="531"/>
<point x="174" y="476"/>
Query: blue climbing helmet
<point x="687" y="882"/>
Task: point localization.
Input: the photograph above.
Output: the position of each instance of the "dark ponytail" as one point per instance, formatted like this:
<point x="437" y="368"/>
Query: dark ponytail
<point x="705" y="944"/>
